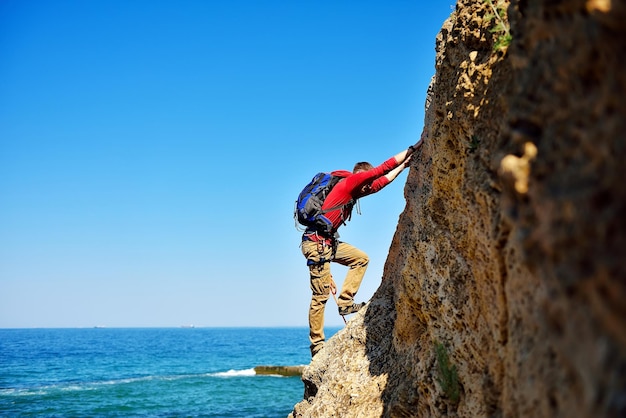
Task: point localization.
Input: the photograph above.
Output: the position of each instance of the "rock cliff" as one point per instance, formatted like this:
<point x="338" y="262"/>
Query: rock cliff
<point x="504" y="294"/>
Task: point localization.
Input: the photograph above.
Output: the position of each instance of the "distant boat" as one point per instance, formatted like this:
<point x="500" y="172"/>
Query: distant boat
<point x="187" y="326"/>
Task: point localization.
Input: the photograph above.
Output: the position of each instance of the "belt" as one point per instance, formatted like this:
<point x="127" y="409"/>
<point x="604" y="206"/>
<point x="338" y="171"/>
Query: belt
<point x="316" y="238"/>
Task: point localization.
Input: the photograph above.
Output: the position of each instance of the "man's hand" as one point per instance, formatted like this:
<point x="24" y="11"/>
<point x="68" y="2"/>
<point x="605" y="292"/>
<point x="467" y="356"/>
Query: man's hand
<point x="419" y="143"/>
<point x="407" y="161"/>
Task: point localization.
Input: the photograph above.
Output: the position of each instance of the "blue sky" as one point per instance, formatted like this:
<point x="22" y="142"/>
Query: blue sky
<point x="151" y="151"/>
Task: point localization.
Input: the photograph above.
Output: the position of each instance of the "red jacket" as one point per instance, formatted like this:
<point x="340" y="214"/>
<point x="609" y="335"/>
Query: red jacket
<point x="350" y="187"/>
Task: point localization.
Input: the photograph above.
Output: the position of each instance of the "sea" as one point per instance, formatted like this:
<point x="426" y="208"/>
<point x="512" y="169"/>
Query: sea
<point x="150" y="372"/>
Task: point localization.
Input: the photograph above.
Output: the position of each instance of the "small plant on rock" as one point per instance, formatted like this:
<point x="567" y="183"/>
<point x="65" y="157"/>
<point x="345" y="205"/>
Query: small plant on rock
<point x="447" y="374"/>
<point x="473" y="143"/>
<point x="501" y="28"/>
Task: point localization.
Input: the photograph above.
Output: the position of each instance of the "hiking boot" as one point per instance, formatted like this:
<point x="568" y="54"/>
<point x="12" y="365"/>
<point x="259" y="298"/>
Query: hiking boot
<point x="350" y="309"/>
<point x="316" y="348"/>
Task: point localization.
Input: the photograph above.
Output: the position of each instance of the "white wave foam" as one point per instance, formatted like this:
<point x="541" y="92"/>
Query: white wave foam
<point x="235" y="373"/>
<point x="70" y="386"/>
<point x="94" y="385"/>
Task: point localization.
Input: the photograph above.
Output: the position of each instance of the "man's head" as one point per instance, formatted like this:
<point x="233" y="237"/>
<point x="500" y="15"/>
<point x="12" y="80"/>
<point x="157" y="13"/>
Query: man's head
<point x="362" y="166"/>
<point x="359" y="167"/>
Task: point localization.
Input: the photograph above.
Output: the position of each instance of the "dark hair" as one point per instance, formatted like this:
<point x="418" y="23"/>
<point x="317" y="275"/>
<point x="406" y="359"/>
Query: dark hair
<point x="362" y="166"/>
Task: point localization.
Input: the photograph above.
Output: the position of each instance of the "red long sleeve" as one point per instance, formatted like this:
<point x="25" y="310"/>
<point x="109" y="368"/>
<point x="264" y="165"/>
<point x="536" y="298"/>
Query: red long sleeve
<point x="350" y="188"/>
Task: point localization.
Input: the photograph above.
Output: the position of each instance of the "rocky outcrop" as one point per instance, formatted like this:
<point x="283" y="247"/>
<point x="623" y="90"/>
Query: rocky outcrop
<point x="504" y="294"/>
<point x="287" y="371"/>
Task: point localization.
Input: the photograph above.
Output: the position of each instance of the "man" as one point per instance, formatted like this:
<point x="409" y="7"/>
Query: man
<point x="320" y="249"/>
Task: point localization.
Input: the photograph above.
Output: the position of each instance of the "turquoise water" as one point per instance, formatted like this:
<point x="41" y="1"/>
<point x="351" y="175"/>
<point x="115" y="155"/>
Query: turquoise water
<point x="191" y="372"/>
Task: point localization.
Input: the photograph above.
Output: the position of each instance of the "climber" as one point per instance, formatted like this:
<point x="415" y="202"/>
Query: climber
<point x="321" y="247"/>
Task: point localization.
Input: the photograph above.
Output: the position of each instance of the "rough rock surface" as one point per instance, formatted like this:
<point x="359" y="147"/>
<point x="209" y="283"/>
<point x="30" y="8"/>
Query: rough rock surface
<point x="510" y="251"/>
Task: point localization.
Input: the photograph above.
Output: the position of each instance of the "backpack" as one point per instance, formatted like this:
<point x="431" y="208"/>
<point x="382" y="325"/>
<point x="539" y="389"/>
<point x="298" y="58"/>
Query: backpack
<point x="308" y="211"/>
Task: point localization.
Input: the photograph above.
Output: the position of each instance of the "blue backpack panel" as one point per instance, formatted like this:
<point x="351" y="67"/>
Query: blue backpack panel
<point x="308" y="210"/>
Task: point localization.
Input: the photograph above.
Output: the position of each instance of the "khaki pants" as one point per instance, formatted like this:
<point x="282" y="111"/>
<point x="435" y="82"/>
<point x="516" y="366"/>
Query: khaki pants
<point x="320" y="276"/>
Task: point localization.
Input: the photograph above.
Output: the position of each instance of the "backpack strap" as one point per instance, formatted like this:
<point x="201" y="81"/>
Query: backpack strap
<point x="350" y="203"/>
<point x="337" y="207"/>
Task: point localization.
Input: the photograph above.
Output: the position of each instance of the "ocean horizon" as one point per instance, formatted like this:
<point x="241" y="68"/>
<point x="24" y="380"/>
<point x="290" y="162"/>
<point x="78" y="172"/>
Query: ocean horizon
<point x="177" y="371"/>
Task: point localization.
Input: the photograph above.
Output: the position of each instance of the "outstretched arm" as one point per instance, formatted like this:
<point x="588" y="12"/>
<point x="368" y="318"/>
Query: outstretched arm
<point x="404" y="157"/>
<point x="404" y="164"/>
<point x="402" y="160"/>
